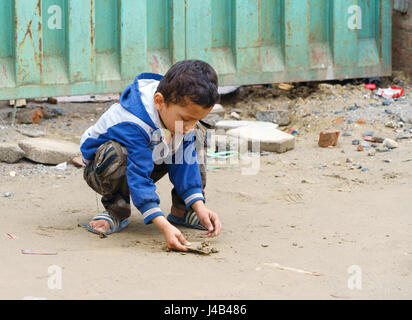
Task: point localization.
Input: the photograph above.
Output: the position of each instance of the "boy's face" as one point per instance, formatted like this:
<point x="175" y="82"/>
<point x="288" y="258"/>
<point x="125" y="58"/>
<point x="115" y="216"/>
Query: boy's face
<point x="179" y="119"/>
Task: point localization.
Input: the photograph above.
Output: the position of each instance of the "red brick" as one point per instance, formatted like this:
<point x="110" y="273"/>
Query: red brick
<point x="328" y="138"/>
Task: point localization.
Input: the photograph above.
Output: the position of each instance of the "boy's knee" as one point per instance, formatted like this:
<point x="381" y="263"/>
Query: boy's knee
<point x="111" y="157"/>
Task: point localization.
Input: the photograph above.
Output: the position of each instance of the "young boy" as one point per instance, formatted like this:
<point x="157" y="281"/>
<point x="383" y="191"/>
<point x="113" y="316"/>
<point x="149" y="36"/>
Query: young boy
<point x="148" y="134"/>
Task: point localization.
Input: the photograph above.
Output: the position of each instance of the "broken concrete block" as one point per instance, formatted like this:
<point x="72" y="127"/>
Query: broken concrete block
<point x="235" y="115"/>
<point x="212" y="118"/>
<point x="233" y="124"/>
<point x="49" y="151"/>
<point x="10" y="153"/>
<point x="270" y="139"/>
<point x="218" y="109"/>
<point x="280" y="117"/>
<point x="328" y="138"/>
<point x="31" y="132"/>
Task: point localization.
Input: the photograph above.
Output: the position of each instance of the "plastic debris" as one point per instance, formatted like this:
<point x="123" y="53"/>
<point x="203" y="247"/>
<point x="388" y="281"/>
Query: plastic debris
<point x="370" y="86"/>
<point x="391" y="92"/>
<point x="11" y="236"/>
<point x="222" y="154"/>
<point x="7" y="195"/>
<point x="62" y="166"/>
<point x="38" y="252"/>
<point x="285" y="86"/>
<point x="280" y="267"/>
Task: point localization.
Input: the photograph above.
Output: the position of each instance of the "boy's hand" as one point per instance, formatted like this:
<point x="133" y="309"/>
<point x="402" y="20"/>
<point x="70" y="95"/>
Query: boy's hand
<point x="207" y="218"/>
<point x="174" y="238"/>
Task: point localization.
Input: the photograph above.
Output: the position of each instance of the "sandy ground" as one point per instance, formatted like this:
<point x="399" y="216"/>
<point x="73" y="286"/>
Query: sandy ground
<point x="305" y="209"/>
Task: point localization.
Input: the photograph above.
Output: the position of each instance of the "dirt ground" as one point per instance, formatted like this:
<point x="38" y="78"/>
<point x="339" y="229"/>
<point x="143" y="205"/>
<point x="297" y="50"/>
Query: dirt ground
<point x="305" y="209"/>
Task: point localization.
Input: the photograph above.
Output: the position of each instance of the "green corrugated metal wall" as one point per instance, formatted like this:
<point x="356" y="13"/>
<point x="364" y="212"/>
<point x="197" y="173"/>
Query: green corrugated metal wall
<point x="68" y="47"/>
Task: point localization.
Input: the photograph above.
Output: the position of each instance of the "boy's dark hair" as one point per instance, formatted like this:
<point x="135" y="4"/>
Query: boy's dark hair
<point x="192" y="79"/>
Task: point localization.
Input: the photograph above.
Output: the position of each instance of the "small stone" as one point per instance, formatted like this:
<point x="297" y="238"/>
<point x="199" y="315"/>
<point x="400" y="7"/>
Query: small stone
<point x="355" y="142"/>
<point x="7" y="195"/>
<point x="387" y="160"/>
<point x="218" y="109"/>
<point x="372" y="153"/>
<point x="212" y="118"/>
<point x="387" y="102"/>
<point x="328" y="138"/>
<point x="390" y="144"/>
<point x="382" y="149"/>
<point x="339" y="120"/>
<point x="294" y="244"/>
<point x="280" y="117"/>
<point x="349" y="160"/>
<point x="365" y="145"/>
<point x="361" y="121"/>
<point x="365" y="169"/>
<point x="77" y="162"/>
<point x="12" y="173"/>
<point x="367" y="133"/>
<point x="214" y="250"/>
<point x="403" y="136"/>
<point x="390" y="124"/>
<point x="235" y="115"/>
<point x="377" y="138"/>
<point x="359" y="147"/>
<point x="264" y="245"/>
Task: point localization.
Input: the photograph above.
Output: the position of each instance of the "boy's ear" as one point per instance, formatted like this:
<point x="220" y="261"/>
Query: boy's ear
<point x="158" y="99"/>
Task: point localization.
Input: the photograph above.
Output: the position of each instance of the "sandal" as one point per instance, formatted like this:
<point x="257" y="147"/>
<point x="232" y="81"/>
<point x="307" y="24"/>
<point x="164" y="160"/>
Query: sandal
<point x="115" y="224"/>
<point x="189" y="220"/>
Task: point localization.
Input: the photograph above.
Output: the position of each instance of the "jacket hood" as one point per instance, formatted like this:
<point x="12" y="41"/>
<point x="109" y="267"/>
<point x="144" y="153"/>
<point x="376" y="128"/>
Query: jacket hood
<point x="131" y="98"/>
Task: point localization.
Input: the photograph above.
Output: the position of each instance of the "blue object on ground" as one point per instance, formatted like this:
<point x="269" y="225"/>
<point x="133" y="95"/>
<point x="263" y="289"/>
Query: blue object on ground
<point x="355" y="142"/>
<point x="365" y="145"/>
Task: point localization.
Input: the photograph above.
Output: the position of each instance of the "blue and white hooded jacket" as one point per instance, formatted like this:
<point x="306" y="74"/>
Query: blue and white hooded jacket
<point x="135" y="123"/>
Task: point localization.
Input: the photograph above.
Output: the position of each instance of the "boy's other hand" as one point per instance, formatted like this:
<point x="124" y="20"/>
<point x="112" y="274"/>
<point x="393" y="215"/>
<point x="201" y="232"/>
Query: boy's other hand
<point x="208" y="218"/>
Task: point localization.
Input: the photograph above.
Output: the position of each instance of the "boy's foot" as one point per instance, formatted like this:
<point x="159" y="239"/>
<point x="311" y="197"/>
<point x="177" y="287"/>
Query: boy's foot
<point x="101" y="226"/>
<point x="105" y="224"/>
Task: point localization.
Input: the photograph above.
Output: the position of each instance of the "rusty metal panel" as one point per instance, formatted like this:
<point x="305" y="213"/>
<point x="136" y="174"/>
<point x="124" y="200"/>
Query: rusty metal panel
<point x="71" y="47"/>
